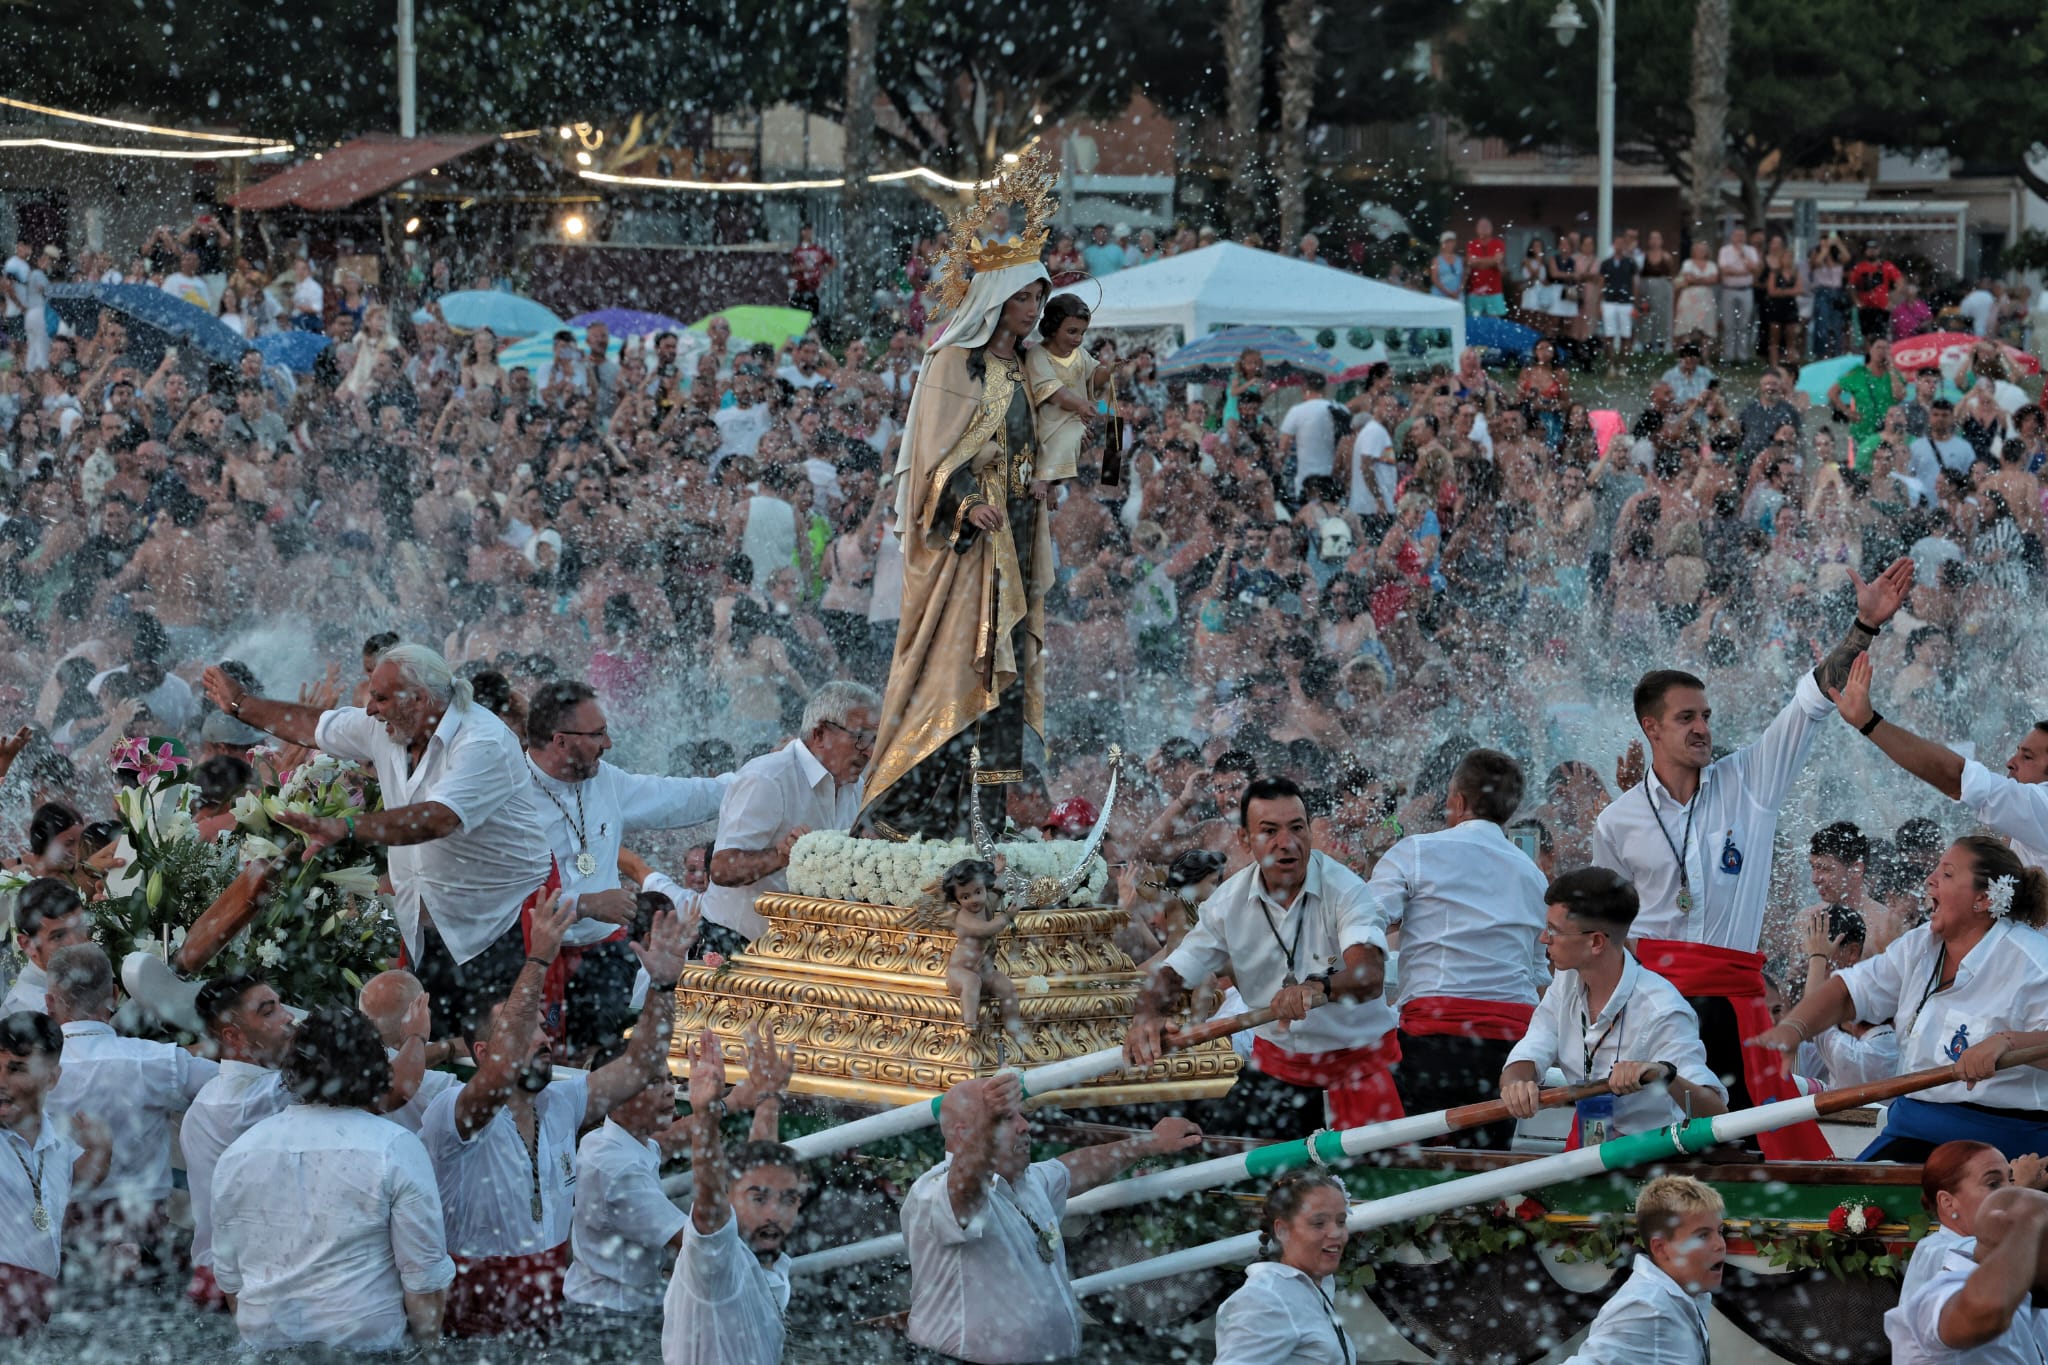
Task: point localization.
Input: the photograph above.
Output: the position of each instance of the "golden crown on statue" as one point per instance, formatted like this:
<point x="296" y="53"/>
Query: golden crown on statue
<point x="975" y="240"/>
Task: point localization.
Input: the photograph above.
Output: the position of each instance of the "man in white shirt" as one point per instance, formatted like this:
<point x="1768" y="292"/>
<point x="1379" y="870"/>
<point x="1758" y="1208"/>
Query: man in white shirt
<point x="624" y="1222"/>
<point x="1374" y="474"/>
<point x="802" y="371"/>
<point x="1295" y="928"/>
<point x="813" y="782"/>
<point x="309" y="300"/>
<point x="48" y="916"/>
<point x="2015" y="805"/>
<point x="461" y="818"/>
<point x="1309" y="432"/>
<point x="132" y="1085"/>
<point x="327" y="1220"/>
<point x="1980" y="306"/>
<point x="1695" y="837"/>
<point x="398" y="1006"/>
<point x="587" y="807"/>
<point x="741" y="426"/>
<point x="1941" y="448"/>
<point x="1470" y="907"/>
<point x="253" y="1030"/>
<point x="1604" y="1017"/>
<point x="1659" y="1315"/>
<point x="503" y="1145"/>
<point x="35" y="317"/>
<point x="1739" y="263"/>
<point x="988" y="1267"/>
<point x="730" y="1286"/>
<point x="1978" y="1305"/>
<point x="48" y="1168"/>
<point x="188" y="284"/>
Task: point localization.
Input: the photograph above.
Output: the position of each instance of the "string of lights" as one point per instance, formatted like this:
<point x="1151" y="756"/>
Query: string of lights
<point x="653" y="182"/>
<point x="232" y="139"/>
<point x="163" y="153"/>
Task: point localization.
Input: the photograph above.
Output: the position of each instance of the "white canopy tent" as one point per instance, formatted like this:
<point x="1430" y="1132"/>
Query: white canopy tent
<point x="1228" y="285"/>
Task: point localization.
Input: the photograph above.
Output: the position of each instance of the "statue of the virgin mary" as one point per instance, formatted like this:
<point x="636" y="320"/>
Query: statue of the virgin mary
<point x="969" y="670"/>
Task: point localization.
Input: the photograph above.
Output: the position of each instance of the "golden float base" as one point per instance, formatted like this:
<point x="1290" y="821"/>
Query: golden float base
<point x="858" y="993"/>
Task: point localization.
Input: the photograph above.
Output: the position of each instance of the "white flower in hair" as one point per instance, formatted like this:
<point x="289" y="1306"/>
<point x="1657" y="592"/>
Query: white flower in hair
<point x="2000" y="894"/>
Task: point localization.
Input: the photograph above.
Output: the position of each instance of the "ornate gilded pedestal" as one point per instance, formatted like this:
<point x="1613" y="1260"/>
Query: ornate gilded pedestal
<point x="858" y="992"/>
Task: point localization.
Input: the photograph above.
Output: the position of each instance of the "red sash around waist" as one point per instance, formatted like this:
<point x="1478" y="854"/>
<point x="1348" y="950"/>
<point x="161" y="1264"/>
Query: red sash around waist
<point x="25" y="1299"/>
<point x="1429" y="1016"/>
<point x="494" y="1295"/>
<point x="1699" y="969"/>
<point x="1358" y="1081"/>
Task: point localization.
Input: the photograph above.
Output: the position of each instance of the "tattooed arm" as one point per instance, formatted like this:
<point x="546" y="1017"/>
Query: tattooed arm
<point x="1876" y="603"/>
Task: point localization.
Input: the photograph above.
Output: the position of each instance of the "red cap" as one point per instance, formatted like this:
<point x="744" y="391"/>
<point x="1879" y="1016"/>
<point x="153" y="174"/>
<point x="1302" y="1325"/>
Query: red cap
<point x="1074" y="816"/>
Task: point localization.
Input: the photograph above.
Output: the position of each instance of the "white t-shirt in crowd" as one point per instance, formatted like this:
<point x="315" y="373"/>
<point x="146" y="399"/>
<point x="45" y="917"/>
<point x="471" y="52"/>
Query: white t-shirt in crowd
<point x="241" y="1096"/>
<point x="472" y="881"/>
<point x="768" y="797"/>
<point x="326" y="1218"/>
<point x="1374" y="476"/>
<point x="432" y="1083"/>
<point x="1981" y="309"/>
<point x="769" y="539"/>
<point x="740" y="429"/>
<point x="487" y="1181"/>
<point x="309" y="297"/>
<point x="131" y="1087"/>
<point x="2018" y="810"/>
<point x="982" y="1290"/>
<point x="723" y="1307"/>
<point x="622" y="1224"/>
<point x="1313" y="425"/>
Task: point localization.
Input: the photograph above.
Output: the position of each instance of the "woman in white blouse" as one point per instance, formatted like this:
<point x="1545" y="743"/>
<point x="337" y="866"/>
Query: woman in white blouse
<point x="1286" y="1313"/>
<point x="1963" y="989"/>
<point x="1954" y="1183"/>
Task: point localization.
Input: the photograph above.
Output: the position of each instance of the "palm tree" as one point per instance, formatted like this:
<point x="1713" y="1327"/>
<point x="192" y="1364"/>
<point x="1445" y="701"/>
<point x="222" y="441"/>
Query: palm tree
<point x="1244" y="63"/>
<point x="856" y="200"/>
<point x="1710" y="41"/>
<point x="1299" y="22"/>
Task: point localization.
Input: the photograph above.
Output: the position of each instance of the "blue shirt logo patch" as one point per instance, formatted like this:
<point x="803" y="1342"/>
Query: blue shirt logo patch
<point x="1959" y="1044"/>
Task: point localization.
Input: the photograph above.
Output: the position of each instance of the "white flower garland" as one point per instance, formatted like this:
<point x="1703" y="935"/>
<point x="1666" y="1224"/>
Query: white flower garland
<point x="832" y="865"/>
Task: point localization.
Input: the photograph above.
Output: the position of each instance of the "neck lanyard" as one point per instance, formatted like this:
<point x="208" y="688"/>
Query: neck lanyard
<point x="1927" y="993"/>
<point x="1344" y="1351"/>
<point x="1586" y="1027"/>
<point x="1266" y="913"/>
<point x="1678" y="850"/>
<point x="586" y="863"/>
<point x="533" y="1160"/>
<point x="38" y="1214"/>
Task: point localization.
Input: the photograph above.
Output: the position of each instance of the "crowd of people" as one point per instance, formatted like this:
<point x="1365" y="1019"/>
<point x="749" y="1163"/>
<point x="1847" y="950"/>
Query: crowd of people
<point x="1349" y="637"/>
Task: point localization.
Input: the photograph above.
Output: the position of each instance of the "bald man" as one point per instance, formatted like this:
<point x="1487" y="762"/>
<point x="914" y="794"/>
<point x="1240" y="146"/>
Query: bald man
<point x="393" y="1001"/>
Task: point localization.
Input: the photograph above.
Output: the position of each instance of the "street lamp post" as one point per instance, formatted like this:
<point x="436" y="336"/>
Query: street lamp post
<point x="1566" y="23"/>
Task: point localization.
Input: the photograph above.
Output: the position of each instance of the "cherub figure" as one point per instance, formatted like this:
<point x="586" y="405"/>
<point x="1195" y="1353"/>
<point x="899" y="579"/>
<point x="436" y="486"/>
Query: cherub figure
<point x="970" y="891"/>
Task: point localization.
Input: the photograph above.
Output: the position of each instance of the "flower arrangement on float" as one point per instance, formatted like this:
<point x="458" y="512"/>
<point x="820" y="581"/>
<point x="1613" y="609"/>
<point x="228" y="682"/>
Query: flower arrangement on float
<point x="831" y="865"/>
<point x="324" y="926"/>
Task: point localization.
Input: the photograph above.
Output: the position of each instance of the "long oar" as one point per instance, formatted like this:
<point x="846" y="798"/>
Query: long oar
<point x="1327" y="1148"/>
<point x="1039" y="1080"/>
<point x="1619" y="1154"/>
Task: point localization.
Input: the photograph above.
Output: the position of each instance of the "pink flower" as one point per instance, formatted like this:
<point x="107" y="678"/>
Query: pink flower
<point x="714" y="960"/>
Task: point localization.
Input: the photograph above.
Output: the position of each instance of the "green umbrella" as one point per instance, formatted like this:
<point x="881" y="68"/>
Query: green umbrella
<point x="755" y="323"/>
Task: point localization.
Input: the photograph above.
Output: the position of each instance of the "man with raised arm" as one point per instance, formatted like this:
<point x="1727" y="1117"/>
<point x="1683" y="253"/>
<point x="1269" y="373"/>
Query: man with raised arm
<point x="624" y="1221"/>
<point x="2015" y="805"/>
<point x="504" y="1145"/>
<point x="1296" y="927"/>
<point x="730" y="1286"/>
<point x="988" y="1268"/>
<point x="461" y="819"/>
<point x="1694" y="837"/>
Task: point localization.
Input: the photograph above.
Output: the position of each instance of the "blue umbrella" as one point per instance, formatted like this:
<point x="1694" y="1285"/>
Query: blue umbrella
<point x="507" y="315"/>
<point x="1816" y="379"/>
<point x="1214" y="356"/>
<point x="1500" y="336"/>
<point x="293" y="350"/>
<point x="153" y="318"/>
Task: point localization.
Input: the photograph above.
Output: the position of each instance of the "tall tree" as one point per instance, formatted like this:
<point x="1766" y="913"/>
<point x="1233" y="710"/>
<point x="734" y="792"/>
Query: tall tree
<point x="1710" y="38"/>
<point x="1301" y="24"/>
<point x="1244" y="65"/>
<point x="856" y="200"/>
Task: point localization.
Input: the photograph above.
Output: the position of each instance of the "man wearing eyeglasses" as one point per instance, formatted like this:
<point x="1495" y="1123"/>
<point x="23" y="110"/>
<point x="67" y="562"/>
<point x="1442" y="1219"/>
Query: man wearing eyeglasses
<point x="813" y="782"/>
<point x="587" y="807"/>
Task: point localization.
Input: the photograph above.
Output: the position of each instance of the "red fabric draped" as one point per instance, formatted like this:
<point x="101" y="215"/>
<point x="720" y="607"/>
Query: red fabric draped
<point x="1359" y="1081"/>
<point x="496" y="1295"/>
<point x="25" y="1300"/>
<point x="1699" y="969"/>
<point x="1428" y="1016"/>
